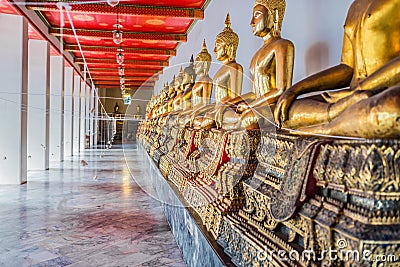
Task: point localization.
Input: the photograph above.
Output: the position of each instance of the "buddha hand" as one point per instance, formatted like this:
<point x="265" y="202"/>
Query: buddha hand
<point x="242" y="107"/>
<point x="282" y="107"/>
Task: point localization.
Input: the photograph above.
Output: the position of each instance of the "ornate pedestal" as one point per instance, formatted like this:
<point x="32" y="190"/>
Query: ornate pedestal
<point x="318" y="203"/>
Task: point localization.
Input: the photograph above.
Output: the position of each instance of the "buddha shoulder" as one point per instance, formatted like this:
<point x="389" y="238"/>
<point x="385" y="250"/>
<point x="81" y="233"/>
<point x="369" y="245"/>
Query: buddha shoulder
<point x="283" y="44"/>
<point x="382" y="14"/>
<point x="278" y="48"/>
<point x="382" y="11"/>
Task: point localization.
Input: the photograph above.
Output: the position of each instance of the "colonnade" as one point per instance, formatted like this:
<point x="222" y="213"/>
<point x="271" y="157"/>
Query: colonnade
<point x="47" y="108"/>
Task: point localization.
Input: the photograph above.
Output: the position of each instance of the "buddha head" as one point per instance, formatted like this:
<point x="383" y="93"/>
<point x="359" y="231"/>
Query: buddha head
<point x="203" y="61"/>
<point x="166" y="87"/>
<point x="226" y="43"/>
<point x="268" y="17"/>
<point x="178" y="80"/>
<point x="189" y="75"/>
<point x="163" y="95"/>
<point x="171" y="87"/>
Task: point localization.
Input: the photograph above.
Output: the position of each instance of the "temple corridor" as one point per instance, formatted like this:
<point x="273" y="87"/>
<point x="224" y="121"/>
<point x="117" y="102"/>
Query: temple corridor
<point x="93" y="215"/>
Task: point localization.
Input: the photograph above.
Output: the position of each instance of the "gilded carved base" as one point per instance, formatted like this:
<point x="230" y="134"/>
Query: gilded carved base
<point x="218" y="190"/>
<point x="348" y="205"/>
<point x="320" y="201"/>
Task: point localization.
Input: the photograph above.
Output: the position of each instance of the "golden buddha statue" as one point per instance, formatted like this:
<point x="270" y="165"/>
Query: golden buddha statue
<point x="370" y="66"/>
<point x="162" y="99"/>
<point x="189" y="76"/>
<point x="228" y="79"/>
<point x="183" y="86"/>
<point x="201" y="90"/>
<point x="177" y="101"/>
<point x="271" y="68"/>
<point x="171" y="95"/>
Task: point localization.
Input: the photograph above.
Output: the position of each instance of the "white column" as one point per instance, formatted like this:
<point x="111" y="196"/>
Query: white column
<point x="96" y="116"/>
<point x="77" y="108"/>
<point x="39" y="101"/>
<point x="68" y="109"/>
<point x="82" y="117"/>
<point x="87" y="112"/>
<point x="13" y="99"/>
<point x="56" y="108"/>
<point x="91" y="119"/>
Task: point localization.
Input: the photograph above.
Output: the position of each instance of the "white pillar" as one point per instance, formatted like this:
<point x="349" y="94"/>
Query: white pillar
<point x="91" y="119"/>
<point x="68" y="109"/>
<point x="96" y="116"/>
<point x="87" y="112"/>
<point x="77" y="108"/>
<point x="39" y="102"/>
<point x="82" y="117"/>
<point x="56" y="108"/>
<point x="13" y="99"/>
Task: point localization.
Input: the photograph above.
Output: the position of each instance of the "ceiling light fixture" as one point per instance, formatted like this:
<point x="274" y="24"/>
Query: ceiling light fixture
<point x="113" y="3"/>
<point x="117" y="34"/>
<point x="120" y="56"/>
<point x="121" y="70"/>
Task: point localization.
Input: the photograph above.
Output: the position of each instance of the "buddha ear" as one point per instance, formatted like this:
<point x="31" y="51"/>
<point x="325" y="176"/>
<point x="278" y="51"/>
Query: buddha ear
<point x="277" y="31"/>
<point x="230" y="52"/>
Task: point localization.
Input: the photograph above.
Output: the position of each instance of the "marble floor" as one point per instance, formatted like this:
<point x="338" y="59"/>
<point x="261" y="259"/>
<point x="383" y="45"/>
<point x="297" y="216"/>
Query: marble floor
<point x="93" y="215"/>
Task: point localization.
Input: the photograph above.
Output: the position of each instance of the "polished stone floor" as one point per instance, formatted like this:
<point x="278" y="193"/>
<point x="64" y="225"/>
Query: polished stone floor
<point x="94" y="215"/>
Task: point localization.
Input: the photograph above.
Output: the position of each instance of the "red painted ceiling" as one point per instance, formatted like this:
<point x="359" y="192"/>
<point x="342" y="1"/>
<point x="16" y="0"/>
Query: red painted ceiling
<point x="152" y="30"/>
<point x="7" y="8"/>
<point x="129" y="23"/>
<point x="174" y="3"/>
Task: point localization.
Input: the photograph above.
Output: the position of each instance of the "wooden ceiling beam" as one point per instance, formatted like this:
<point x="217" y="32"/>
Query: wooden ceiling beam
<point x="147" y="51"/>
<point x="127" y="78"/>
<point x="127" y="70"/>
<point x="127" y="85"/>
<point x="126" y="62"/>
<point x="126" y="35"/>
<point x="126" y="89"/>
<point x="123" y="9"/>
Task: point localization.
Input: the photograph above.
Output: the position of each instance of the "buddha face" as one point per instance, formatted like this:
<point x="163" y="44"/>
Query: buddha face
<point x="171" y="90"/>
<point x="200" y="67"/>
<point x="177" y="82"/>
<point x="261" y="21"/>
<point x="186" y="78"/>
<point x="220" y="50"/>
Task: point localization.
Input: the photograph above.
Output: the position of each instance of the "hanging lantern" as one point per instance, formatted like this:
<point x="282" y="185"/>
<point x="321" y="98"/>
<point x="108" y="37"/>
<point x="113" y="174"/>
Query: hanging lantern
<point x="122" y="86"/>
<point x="113" y="3"/>
<point x="121" y="71"/>
<point x="117" y="36"/>
<point x="121" y="79"/>
<point x="120" y="58"/>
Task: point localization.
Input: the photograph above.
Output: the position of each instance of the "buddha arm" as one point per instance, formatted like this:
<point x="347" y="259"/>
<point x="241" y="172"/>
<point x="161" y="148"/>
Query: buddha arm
<point x="202" y="109"/>
<point x="386" y="76"/>
<point x="333" y="78"/>
<point x="234" y="101"/>
<point x="236" y="80"/>
<point x="284" y="75"/>
<point x="268" y="98"/>
<point x="206" y="91"/>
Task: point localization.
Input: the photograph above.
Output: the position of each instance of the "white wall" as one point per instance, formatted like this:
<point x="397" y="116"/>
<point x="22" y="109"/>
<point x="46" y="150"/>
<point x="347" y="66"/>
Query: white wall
<point x="314" y="26"/>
